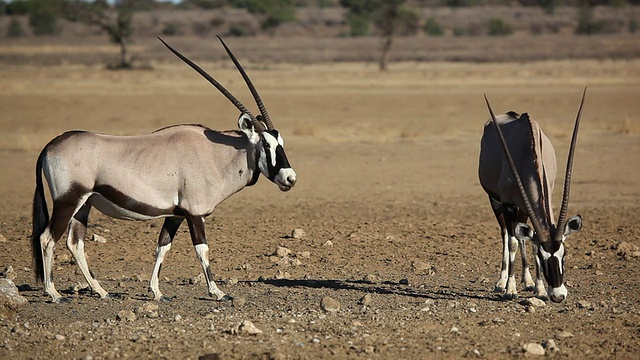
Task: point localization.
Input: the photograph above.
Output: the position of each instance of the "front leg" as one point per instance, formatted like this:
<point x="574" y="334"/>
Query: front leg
<point x="541" y="291"/>
<point x="196" y="228"/>
<point x="168" y="232"/>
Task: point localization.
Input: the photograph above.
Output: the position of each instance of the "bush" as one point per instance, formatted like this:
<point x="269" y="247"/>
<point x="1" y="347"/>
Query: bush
<point x="458" y="3"/>
<point x="408" y="22"/>
<point x="240" y="29"/>
<point x="433" y="27"/>
<point x="359" y="25"/>
<point x="633" y="26"/>
<point x="171" y="28"/>
<point x="459" y="31"/>
<point x="15" y="29"/>
<point x="587" y="25"/>
<point x="498" y="27"/>
<point x="43" y="21"/>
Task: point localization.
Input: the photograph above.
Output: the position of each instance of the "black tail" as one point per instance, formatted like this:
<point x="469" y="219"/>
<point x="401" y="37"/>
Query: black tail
<point x="40" y="221"/>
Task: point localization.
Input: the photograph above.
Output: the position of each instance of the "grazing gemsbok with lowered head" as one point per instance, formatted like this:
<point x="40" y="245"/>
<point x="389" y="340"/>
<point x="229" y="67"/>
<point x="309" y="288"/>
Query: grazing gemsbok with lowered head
<point x="176" y="173"/>
<point x="517" y="170"/>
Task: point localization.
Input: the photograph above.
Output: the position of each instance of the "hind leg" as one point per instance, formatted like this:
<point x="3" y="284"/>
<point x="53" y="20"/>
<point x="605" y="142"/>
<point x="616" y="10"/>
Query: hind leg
<point x="75" y="244"/>
<point x="169" y="229"/>
<point x="63" y="210"/>
<point x="501" y="285"/>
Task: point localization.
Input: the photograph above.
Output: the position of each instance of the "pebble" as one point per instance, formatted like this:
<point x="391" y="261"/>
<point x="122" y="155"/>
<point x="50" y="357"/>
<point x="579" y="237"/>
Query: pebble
<point x="3" y="239"/>
<point x="535" y="302"/>
<point x="329" y="304"/>
<point x="584" y="304"/>
<point x="98" y="238"/>
<point x="366" y="300"/>
<point x="177" y="318"/>
<point x="328" y="243"/>
<point x="370" y="279"/>
<point x="126" y="315"/>
<point x="59" y="337"/>
<point x="298" y="233"/>
<point x="246" y="327"/>
<point x="404" y="282"/>
<point x="8" y="273"/>
<point x="551" y="345"/>
<point x="454" y="329"/>
<point x="239" y="301"/>
<point x="282" y="251"/>
<point x="282" y="275"/>
<point x="304" y="254"/>
<point x="10" y="296"/>
<point x="534" y="349"/>
<point x="563" y="335"/>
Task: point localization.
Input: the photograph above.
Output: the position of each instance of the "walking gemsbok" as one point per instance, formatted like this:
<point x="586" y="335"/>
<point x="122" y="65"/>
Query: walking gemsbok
<point x="176" y="173"/>
<point x="517" y="170"/>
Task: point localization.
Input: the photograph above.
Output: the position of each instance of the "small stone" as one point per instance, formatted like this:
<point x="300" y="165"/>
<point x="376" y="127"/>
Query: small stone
<point x="10" y="296"/>
<point x="239" y="301"/>
<point x="304" y="254"/>
<point x="282" y="275"/>
<point x="146" y="307"/>
<point x="563" y="335"/>
<point x="59" y="337"/>
<point x="370" y="279"/>
<point x="584" y="304"/>
<point x="245" y="327"/>
<point x="534" y="349"/>
<point x="454" y="329"/>
<point x="177" y="318"/>
<point x="198" y="279"/>
<point x="551" y="345"/>
<point x="126" y="315"/>
<point x="3" y="239"/>
<point x="282" y="251"/>
<point x="315" y="340"/>
<point x="98" y="238"/>
<point x="404" y="282"/>
<point x="232" y="281"/>
<point x="329" y="304"/>
<point x="298" y="234"/>
<point x="366" y="300"/>
<point x="328" y="243"/>
<point x="8" y="273"/>
<point x="369" y="349"/>
<point x="534" y="302"/>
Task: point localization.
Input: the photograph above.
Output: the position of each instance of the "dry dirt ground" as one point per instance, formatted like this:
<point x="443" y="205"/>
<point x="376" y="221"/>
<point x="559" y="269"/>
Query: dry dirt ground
<point x="388" y="198"/>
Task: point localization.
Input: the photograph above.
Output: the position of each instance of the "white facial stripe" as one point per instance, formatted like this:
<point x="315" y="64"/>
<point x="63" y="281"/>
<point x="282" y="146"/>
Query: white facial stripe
<point x="545" y="255"/>
<point x="273" y="144"/>
<point x="559" y="255"/>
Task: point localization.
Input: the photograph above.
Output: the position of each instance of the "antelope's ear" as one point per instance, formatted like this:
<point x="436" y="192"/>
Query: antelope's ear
<point x="246" y="126"/>
<point x="574" y="224"/>
<point x="523" y="232"/>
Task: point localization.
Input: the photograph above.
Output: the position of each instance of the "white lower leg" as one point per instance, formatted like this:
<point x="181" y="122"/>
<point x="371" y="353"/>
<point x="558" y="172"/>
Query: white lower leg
<point x="47" y="245"/>
<point x="77" y="250"/>
<point x="202" y="251"/>
<point x="512" y="291"/>
<point x="504" y="273"/>
<point x="161" y="251"/>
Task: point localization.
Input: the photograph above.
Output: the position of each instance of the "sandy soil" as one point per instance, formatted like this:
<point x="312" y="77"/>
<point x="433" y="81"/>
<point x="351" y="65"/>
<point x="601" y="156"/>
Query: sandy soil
<point x="387" y="175"/>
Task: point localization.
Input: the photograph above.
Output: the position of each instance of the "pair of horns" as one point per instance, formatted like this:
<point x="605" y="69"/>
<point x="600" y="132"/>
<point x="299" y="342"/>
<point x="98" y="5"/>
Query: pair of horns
<point x="257" y="122"/>
<point x="562" y="217"/>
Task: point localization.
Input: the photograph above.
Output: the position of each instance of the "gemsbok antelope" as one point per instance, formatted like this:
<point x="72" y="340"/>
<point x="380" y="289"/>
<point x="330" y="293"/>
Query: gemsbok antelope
<point x="176" y="173"/>
<point x="517" y="170"/>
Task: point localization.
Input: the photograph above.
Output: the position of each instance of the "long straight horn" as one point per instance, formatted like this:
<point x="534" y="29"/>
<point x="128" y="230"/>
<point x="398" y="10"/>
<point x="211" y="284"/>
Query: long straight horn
<point x="258" y="125"/>
<point x="514" y="171"/>
<point x="254" y="92"/>
<point x="562" y="217"/>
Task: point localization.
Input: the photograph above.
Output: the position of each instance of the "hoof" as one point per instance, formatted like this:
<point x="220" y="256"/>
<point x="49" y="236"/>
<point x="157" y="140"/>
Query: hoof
<point x="499" y="289"/>
<point x="510" y="296"/>
<point x="226" y="298"/>
<point x="543" y="297"/>
<point x="530" y="288"/>
<point x="115" y="296"/>
<point x="165" y="298"/>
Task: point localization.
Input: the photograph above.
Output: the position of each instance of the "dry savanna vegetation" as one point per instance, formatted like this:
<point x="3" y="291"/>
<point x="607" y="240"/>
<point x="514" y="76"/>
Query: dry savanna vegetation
<point x="396" y="250"/>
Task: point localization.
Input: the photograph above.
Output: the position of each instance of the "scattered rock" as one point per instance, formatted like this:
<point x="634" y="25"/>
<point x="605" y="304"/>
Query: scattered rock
<point x="563" y="335"/>
<point x="79" y="286"/>
<point x="304" y="254"/>
<point x="328" y="243"/>
<point x="370" y="279"/>
<point x="551" y="346"/>
<point x="454" y="329"/>
<point x="420" y="266"/>
<point x="329" y="304"/>
<point x="282" y="275"/>
<point x="404" y="282"/>
<point x="246" y="327"/>
<point x="584" y="304"/>
<point x="60" y="337"/>
<point x="282" y="251"/>
<point x="10" y="298"/>
<point x="534" y="349"/>
<point x="239" y="301"/>
<point x="177" y="318"/>
<point x="534" y="302"/>
<point x="198" y="279"/>
<point x="126" y="315"/>
<point x="366" y="300"/>
<point x="8" y="273"/>
<point x="298" y="234"/>
<point x="148" y="309"/>
<point x="627" y="250"/>
<point x="98" y="238"/>
<point x="3" y="239"/>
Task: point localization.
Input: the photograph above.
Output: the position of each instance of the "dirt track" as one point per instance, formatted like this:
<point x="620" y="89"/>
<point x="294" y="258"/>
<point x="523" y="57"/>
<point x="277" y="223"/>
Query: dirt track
<point x="387" y="173"/>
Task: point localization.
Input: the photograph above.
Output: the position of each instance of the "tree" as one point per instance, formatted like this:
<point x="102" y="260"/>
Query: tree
<point x="276" y="12"/>
<point x="117" y="22"/>
<point x="389" y="18"/>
